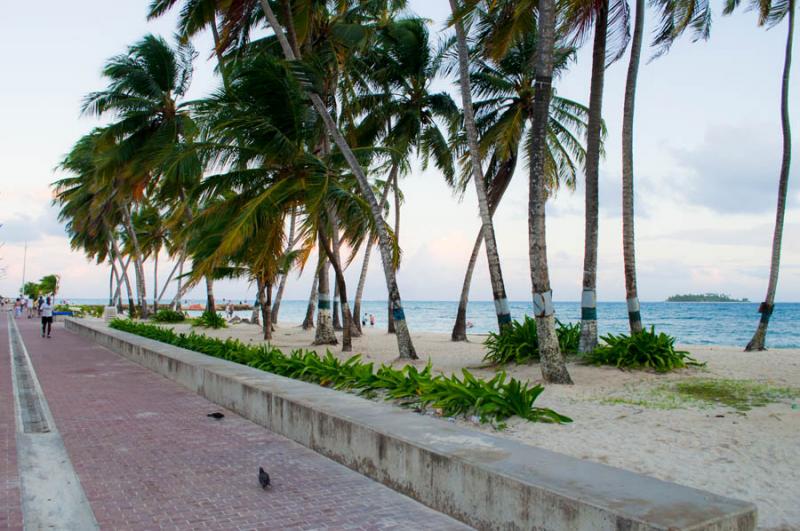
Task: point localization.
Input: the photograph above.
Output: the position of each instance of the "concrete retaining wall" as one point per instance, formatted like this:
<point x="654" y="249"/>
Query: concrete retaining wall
<point x="487" y="482"/>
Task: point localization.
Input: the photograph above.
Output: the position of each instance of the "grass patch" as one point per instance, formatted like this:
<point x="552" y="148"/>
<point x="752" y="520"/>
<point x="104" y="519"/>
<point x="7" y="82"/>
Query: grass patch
<point x="703" y="393"/>
<point x="741" y="395"/>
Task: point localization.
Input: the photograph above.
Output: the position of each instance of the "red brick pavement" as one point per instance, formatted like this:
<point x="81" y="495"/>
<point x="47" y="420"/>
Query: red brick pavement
<point x="10" y="509"/>
<point x="149" y="458"/>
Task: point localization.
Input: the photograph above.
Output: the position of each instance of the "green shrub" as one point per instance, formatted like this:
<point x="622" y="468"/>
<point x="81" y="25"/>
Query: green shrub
<point x="492" y="400"/>
<point x="644" y="350"/>
<point x="209" y="319"/>
<point x="168" y="316"/>
<point x="519" y="342"/>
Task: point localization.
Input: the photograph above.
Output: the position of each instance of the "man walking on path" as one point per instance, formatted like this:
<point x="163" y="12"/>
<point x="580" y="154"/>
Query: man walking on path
<point x="47" y="316"/>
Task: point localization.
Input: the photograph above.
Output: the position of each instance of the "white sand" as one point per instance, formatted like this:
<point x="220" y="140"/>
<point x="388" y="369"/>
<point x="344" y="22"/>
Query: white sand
<point x="751" y="456"/>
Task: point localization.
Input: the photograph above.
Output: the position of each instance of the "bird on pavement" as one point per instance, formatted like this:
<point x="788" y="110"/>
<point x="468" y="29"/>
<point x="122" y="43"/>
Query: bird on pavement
<point x="216" y="415"/>
<point x="263" y="478"/>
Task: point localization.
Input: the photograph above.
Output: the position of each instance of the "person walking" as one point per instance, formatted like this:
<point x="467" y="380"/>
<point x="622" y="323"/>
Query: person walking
<point x="371" y="319"/>
<point x="47" y="317"/>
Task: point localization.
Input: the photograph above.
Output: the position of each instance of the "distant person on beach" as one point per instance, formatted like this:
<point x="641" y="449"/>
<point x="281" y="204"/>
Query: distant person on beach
<point x="371" y="320"/>
<point x="47" y="317"/>
<point x="364" y="319"/>
<point x="229" y="310"/>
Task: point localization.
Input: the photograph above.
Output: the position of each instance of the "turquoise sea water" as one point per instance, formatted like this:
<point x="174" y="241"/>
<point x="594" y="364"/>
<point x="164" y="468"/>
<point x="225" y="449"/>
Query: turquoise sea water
<point x="695" y="323"/>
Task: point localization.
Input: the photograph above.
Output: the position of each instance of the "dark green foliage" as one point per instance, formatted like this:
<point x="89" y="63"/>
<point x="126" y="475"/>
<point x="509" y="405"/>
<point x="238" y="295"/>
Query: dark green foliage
<point x="493" y="400"/>
<point x="519" y="342"/>
<point x="168" y="316"/>
<point x="645" y="350"/>
<point x="209" y="319"/>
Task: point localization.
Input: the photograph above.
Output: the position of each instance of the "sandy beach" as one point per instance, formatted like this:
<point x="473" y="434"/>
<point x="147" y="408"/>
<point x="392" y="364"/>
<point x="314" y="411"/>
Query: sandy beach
<point x="622" y="420"/>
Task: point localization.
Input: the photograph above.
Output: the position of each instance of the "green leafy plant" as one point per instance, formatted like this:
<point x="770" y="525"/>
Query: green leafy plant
<point x="491" y="400"/>
<point x="209" y="319"/>
<point x="644" y="350"/>
<point x="519" y="342"/>
<point x="168" y="316"/>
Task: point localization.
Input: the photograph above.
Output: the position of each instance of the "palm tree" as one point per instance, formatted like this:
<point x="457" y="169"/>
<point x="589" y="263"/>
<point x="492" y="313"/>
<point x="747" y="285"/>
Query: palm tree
<point x="609" y="19"/>
<point x="399" y="109"/>
<point x="769" y="15"/>
<point x="674" y="17"/>
<point x="292" y="53"/>
<point x="145" y="85"/>
<point x="553" y="366"/>
<point x="499" y="296"/>
<point x="505" y="87"/>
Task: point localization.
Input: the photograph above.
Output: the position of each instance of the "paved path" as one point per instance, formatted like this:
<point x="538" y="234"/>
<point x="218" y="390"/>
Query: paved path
<point x="148" y="457"/>
<point x="10" y="507"/>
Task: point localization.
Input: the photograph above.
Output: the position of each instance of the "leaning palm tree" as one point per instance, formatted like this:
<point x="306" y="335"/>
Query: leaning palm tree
<point x="290" y="45"/>
<point x="505" y="91"/>
<point x="770" y="13"/>
<point x="502" y="308"/>
<point x="145" y="85"/>
<point x="400" y="110"/>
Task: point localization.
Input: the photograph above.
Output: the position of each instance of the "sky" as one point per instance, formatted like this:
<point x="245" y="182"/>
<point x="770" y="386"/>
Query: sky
<point x="707" y="155"/>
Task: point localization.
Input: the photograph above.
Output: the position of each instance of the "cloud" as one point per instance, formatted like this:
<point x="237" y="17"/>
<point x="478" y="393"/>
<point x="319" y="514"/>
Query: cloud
<point x="734" y="170"/>
<point x="25" y="227"/>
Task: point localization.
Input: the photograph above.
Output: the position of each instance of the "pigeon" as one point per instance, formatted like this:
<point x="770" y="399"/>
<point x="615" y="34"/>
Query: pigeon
<point x="216" y="415"/>
<point x="263" y="478"/>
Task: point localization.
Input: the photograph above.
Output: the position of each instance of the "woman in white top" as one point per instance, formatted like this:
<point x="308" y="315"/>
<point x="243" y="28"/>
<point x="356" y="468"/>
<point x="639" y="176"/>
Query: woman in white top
<point x="47" y="316"/>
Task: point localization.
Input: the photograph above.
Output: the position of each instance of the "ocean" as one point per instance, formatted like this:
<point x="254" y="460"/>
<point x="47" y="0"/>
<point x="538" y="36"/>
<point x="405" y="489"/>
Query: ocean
<point x="702" y="323"/>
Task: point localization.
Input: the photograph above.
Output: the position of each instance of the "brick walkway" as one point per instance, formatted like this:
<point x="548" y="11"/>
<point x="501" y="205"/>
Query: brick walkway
<point x="10" y="510"/>
<point x="149" y="458"/>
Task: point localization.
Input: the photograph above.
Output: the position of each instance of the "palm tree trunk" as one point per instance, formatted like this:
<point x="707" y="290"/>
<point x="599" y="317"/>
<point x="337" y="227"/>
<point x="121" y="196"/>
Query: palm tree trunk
<point x="155" y="281"/>
<point x="211" y="305"/>
<point x="495" y="271"/>
<point x="404" y="344"/>
<point x="553" y="366"/>
<point x="362" y="279"/>
<point x="337" y="321"/>
<point x="758" y="342"/>
<point x="308" y="322"/>
<point x="123" y="272"/>
<point x="265" y="303"/>
<point x="169" y="278"/>
<point x="588" y="340"/>
<point x="276" y="306"/>
<point x="500" y="182"/>
<point x="124" y="275"/>
<point x="347" y="343"/>
<point x="176" y="301"/>
<point x="396" y="187"/>
<point x="628" y="247"/>
<point x="116" y="297"/>
<point x="138" y="261"/>
<point x="112" y="274"/>
<point x="324" y="334"/>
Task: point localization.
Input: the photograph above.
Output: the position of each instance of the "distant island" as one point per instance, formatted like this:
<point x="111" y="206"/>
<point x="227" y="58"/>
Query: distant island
<point x="704" y="297"/>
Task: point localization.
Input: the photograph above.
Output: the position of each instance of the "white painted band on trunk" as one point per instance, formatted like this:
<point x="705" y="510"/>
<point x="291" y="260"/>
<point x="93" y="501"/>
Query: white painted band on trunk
<point x="633" y="304"/>
<point x="589" y="298"/>
<point x="502" y="307"/>
<point x="543" y="304"/>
